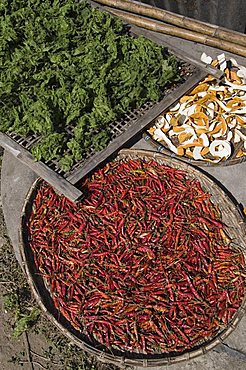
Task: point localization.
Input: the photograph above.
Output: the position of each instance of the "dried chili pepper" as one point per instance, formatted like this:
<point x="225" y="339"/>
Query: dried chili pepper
<point x="143" y="263"/>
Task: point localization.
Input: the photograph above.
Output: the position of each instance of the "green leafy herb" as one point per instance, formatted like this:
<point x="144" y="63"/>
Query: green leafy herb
<point x="66" y="65"/>
<point x="25" y="322"/>
<point x="50" y="147"/>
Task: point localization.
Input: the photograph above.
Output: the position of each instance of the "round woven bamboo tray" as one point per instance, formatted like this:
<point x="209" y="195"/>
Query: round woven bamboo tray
<point x="160" y="148"/>
<point x="236" y="229"/>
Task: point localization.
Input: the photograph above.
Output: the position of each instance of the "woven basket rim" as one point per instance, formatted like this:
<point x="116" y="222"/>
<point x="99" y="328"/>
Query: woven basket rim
<point x="161" y="148"/>
<point x="123" y="359"/>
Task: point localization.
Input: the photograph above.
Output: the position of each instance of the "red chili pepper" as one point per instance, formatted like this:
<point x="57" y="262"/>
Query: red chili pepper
<point x="212" y="222"/>
<point x="142" y="262"/>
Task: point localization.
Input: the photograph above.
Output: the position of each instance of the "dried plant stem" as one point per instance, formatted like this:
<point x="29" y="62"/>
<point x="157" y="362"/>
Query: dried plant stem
<point x="179" y="32"/>
<point x="178" y="20"/>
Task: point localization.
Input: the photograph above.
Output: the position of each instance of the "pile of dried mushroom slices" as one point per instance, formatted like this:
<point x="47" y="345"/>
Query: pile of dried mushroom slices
<point x="208" y="124"/>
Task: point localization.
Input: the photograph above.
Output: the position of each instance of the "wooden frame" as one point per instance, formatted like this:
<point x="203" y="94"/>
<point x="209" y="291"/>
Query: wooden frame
<point x="67" y="185"/>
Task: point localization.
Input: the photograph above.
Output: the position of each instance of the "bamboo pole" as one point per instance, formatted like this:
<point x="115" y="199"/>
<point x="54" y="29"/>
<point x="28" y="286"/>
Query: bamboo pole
<point x="179" y="32"/>
<point x="178" y="20"/>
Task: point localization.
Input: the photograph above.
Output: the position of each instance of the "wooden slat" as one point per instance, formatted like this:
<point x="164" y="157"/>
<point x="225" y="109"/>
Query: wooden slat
<point x="58" y="182"/>
<point x="137" y="127"/>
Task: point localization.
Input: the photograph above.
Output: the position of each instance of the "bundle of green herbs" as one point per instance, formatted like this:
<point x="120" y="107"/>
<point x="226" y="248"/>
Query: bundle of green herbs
<point x="65" y="63"/>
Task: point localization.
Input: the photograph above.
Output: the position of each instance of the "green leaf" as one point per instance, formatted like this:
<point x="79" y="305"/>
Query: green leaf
<point x="76" y="149"/>
<point x="25" y="322"/>
<point x="49" y="147"/>
<point x="100" y="140"/>
<point x="65" y="65"/>
<point x="66" y="162"/>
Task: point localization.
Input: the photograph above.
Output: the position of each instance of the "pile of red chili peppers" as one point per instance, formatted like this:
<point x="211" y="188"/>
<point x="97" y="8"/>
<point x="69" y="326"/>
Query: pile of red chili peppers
<point x="142" y="263"/>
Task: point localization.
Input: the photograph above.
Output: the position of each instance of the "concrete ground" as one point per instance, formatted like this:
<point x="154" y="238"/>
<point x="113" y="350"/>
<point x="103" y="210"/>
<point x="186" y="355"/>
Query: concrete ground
<point x="16" y="179"/>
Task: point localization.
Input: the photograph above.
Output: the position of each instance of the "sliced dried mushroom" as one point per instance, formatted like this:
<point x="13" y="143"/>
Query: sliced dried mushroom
<point x="220" y="148"/>
<point x="205" y="123"/>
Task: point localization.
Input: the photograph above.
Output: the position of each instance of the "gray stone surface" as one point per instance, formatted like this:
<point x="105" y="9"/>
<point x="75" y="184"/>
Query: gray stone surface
<point x="195" y="49"/>
<point x="16" y="180"/>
